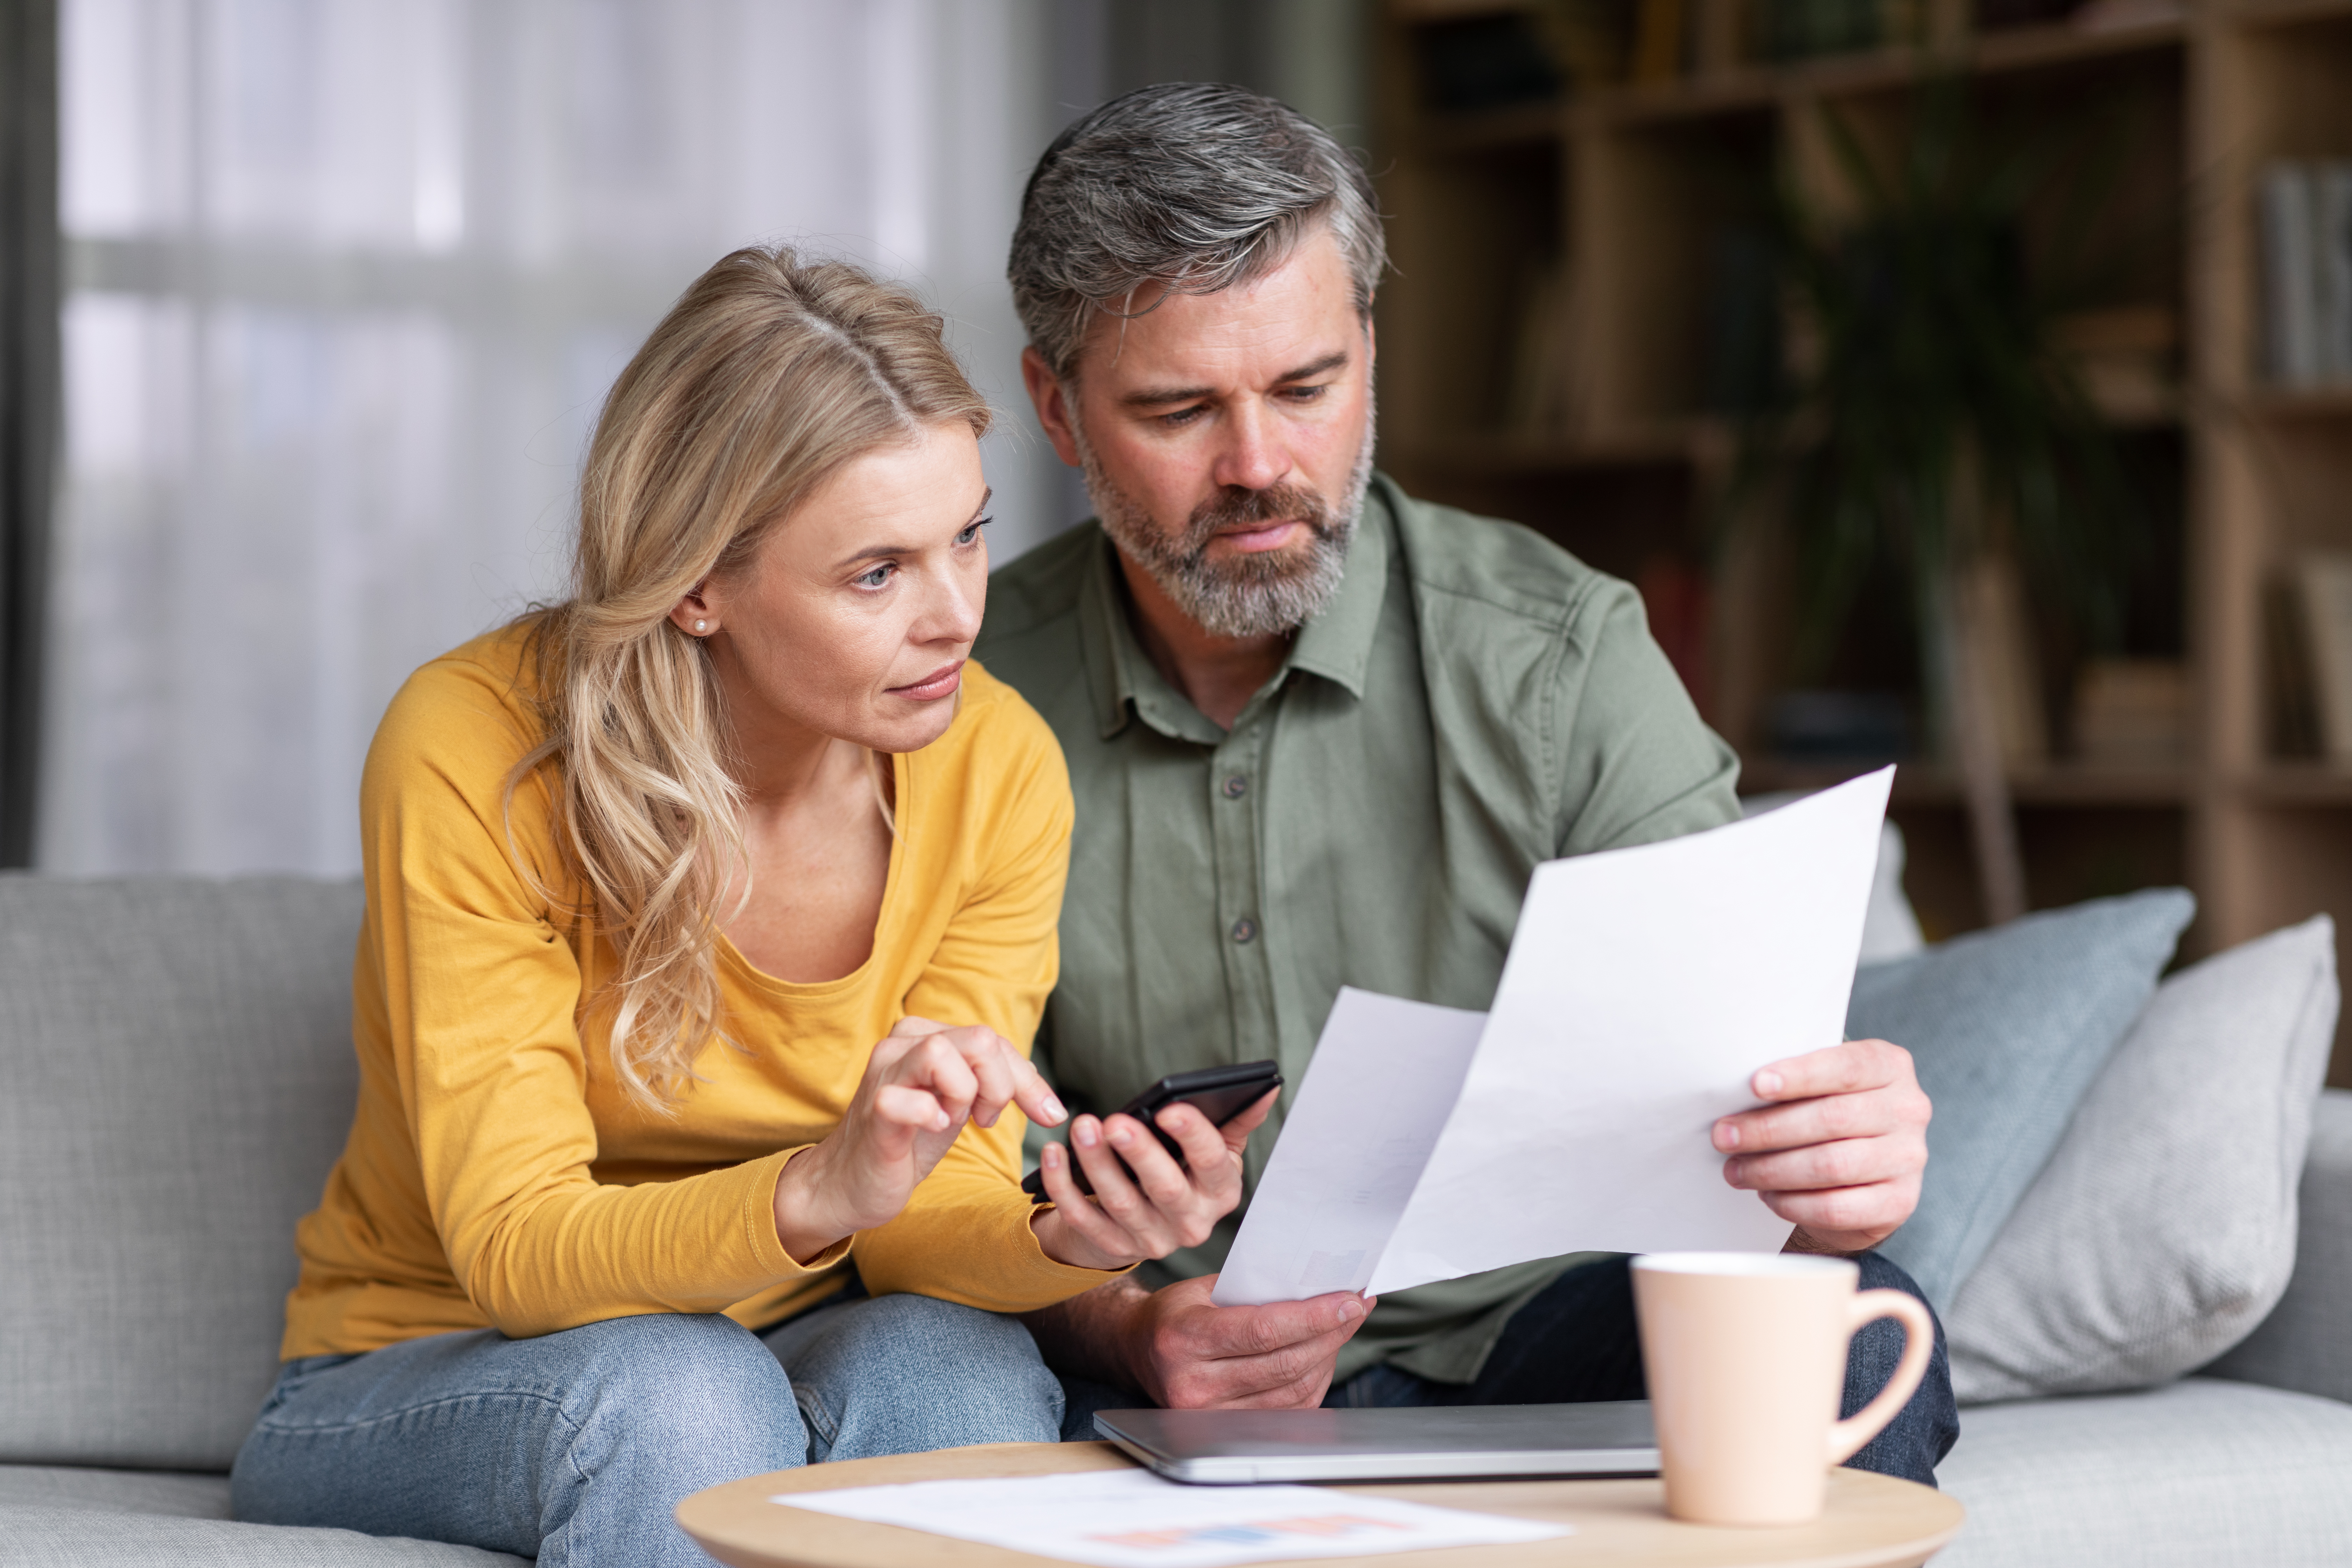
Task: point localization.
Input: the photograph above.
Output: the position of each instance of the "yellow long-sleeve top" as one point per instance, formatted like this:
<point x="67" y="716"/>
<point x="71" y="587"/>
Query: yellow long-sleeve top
<point x="497" y="1176"/>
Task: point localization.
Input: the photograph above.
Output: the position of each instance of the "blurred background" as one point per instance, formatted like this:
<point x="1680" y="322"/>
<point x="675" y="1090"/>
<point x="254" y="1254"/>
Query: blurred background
<point x="342" y="283"/>
<point x="1965" y="383"/>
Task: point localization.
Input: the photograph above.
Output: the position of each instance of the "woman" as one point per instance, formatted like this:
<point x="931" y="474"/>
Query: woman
<point x="649" y="875"/>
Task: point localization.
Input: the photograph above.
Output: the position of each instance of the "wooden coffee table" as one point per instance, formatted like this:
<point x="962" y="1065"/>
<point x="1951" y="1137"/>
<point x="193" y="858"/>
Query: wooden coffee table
<point x="1871" y="1522"/>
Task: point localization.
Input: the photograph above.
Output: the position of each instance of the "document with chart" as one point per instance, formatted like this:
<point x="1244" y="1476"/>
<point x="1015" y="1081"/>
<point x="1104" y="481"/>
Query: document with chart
<point x="1643" y="989"/>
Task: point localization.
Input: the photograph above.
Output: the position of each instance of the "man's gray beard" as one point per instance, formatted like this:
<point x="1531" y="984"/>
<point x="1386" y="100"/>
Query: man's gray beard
<point x="1250" y="595"/>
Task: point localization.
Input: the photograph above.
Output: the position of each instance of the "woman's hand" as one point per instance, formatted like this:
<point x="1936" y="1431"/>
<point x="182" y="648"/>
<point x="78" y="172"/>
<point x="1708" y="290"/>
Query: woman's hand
<point x="1163" y="1206"/>
<point x="921" y="1085"/>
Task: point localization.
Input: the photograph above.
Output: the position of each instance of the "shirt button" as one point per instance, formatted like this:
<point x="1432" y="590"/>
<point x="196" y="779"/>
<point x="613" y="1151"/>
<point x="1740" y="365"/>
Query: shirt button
<point x="1236" y="787"/>
<point x="1245" y="929"/>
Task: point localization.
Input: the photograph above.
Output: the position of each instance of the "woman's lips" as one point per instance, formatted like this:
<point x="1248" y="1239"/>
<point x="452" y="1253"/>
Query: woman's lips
<point x="940" y="682"/>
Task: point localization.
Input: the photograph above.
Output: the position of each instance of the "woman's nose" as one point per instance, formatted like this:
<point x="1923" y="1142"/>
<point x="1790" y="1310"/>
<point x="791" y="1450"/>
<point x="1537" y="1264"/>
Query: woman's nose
<point x="953" y="613"/>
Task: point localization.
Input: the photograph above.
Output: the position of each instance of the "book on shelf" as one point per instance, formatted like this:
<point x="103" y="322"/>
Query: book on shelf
<point x="1536" y="398"/>
<point x="2286" y="658"/>
<point x="1658" y="29"/>
<point x="2128" y="357"/>
<point x="2321" y="587"/>
<point x="2132" y="713"/>
<point x="2306" y="238"/>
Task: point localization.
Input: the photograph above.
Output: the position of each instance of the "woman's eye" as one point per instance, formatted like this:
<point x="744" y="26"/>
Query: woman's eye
<point x="971" y="531"/>
<point x="879" y="577"/>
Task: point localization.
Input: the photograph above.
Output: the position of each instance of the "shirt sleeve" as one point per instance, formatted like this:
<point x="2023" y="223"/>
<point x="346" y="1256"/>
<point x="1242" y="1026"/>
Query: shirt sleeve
<point x="1636" y="761"/>
<point x="965" y="1235"/>
<point x="482" y="991"/>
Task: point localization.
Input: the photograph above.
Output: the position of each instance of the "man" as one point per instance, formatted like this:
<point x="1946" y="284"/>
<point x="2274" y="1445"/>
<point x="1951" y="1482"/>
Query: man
<point x="1320" y="734"/>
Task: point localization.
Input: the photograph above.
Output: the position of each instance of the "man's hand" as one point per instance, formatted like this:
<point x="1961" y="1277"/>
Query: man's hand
<point x="1163" y="1206"/>
<point x="1185" y="1355"/>
<point x="1838" y="1149"/>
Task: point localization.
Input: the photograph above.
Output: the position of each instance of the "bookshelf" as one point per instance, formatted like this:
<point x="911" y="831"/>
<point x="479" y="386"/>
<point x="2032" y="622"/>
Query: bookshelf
<point x="1546" y="338"/>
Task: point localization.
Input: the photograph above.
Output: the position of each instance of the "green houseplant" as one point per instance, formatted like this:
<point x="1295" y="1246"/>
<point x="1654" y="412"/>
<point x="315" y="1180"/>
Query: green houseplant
<point x="1928" y="418"/>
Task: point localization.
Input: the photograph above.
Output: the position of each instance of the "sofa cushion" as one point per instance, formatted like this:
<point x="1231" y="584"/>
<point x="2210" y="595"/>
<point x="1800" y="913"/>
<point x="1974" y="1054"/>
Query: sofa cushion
<point x="2306" y="1342"/>
<point x="2163" y="1229"/>
<point x="2197" y="1473"/>
<point x="180" y="1078"/>
<point x="40" y="1537"/>
<point x="2008" y="1028"/>
<point x="184" y="1494"/>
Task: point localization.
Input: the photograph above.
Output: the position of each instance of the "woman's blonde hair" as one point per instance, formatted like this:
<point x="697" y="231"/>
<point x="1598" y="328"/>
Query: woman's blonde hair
<point x="768" y="374"/>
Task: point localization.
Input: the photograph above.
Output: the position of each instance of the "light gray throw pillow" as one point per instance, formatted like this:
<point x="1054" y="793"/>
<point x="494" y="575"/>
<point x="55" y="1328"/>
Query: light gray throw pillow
<point x="2008" y="1028"/>
<point x="2163" y="1229"/>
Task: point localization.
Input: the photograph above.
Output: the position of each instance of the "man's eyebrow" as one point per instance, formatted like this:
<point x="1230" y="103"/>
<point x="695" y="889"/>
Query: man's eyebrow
<point x="878" y="552"/>
<point x="1152" y="396"/>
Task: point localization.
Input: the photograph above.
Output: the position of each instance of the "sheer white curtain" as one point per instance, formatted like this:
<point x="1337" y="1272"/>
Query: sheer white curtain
<point x="347" y="279"/>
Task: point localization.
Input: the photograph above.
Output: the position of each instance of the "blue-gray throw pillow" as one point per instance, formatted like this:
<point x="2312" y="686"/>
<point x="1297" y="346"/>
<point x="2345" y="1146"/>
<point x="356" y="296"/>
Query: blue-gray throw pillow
<point x="2008" y="1027"/>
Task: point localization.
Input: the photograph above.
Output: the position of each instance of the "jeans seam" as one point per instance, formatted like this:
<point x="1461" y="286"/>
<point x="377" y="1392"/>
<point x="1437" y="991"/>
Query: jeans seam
<point x="818" y="1418"/>
<point x="340" y="1427"/>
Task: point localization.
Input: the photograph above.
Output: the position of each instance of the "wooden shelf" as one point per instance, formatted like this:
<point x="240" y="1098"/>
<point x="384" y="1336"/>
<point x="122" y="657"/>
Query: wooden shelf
<point x="1671" y="441"/>
<point x="1755" y="87"/>
<point x="1568" y="258"/>
<point x="1762" y="88"/>
<point x="2319" y="403"/>
<point x="2300" y="784"/>
<point x="1520" y="125"/>
<point x="2262" y="14"/>
<point x="1927" y="784"/>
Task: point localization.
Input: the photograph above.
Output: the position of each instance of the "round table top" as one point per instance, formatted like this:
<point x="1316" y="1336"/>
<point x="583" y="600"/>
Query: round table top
<point x="1871" y="1521"/>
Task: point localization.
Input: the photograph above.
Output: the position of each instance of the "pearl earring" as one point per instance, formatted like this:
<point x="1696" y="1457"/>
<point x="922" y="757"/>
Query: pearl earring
<point x="702" y="625"/>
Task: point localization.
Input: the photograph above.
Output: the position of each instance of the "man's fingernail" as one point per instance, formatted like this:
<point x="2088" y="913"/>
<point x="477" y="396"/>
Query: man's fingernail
<point x="1767" y="1082"/>
<point x="1087" y="1132"/>
<point x="1726" y="1136"/>
<point x="1054" y="1109"/>
<point x="1120" y="1137"/>
<point x="1351" y="1310"/>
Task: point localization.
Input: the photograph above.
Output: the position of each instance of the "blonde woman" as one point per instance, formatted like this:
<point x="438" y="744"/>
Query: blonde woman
<point x="635" y="1202"/>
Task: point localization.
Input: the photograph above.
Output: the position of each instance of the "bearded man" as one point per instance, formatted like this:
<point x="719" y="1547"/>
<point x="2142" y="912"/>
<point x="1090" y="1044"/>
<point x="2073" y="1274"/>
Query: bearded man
<point x="1320" y="734"/>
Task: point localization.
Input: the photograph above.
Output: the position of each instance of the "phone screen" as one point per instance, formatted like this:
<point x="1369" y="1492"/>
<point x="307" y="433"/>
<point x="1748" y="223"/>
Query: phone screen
<point x="1218" y="1093"/>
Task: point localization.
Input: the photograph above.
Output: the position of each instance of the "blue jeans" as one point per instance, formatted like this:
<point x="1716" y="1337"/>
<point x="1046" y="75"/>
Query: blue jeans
<point x="574" y="1447"/>
<point x="1577" y="1341"/>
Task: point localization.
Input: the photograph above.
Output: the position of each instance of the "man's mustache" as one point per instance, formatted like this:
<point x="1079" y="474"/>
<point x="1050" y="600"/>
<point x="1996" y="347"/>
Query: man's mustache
<point x="1239" y="508"/>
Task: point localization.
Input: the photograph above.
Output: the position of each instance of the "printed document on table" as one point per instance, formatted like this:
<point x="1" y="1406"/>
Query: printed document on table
<point x="1643" y="989"/>
<point x="1132" y="1519"/>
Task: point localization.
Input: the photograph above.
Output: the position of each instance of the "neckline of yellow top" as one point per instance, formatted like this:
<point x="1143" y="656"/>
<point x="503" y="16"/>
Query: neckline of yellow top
<point x="901" y="777"/>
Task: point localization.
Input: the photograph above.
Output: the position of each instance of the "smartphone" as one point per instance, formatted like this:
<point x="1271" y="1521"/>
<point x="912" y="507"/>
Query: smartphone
<point x="1218" y="1093"/>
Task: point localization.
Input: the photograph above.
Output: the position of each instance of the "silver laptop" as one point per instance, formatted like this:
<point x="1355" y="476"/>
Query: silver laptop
<point x="1423" y="1443"/>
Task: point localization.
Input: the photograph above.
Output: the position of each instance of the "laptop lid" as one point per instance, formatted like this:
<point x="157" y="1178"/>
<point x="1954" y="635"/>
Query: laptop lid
<point x="1418" y="1443"/>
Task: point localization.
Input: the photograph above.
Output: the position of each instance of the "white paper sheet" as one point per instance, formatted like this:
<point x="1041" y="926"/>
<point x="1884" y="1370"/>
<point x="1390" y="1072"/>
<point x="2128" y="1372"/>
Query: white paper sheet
<point x="1643" y="989"/>
<point x="1132" y="1519"/>
<point x="1384" y="1074"/>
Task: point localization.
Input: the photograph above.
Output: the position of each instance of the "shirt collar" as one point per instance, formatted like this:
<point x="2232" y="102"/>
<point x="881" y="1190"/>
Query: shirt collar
<point x="1335" y="645"/>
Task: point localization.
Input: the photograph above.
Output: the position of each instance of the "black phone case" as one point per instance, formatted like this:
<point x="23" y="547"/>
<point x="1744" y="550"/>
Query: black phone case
<point x="1218" y="1093"/>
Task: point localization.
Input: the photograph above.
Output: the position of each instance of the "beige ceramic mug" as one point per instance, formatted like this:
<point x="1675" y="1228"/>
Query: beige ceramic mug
<point x="1746" y="1354"/>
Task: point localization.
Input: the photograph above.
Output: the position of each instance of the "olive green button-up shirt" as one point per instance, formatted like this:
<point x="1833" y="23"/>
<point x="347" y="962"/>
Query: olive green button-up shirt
<point x="1473" y="702"/>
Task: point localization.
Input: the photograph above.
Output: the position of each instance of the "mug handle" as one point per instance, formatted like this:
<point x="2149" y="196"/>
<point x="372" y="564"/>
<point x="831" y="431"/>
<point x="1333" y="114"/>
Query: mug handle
<point x="1847" y="1436"/>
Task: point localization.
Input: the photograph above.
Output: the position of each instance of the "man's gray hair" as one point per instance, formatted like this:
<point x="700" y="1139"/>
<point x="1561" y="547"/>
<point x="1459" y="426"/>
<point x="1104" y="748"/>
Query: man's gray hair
<point x="1195" y="187"/>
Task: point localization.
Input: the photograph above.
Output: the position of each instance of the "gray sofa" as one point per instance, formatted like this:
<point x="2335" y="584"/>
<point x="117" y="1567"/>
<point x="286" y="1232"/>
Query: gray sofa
<point x="178" y="1079"/>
